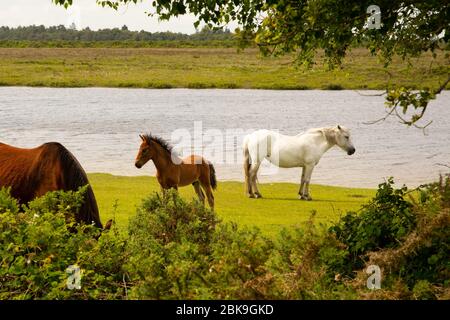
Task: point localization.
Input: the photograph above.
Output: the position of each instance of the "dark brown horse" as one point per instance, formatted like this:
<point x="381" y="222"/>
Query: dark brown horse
<point x="31" y="173"/>
<point x="173" y="172"/>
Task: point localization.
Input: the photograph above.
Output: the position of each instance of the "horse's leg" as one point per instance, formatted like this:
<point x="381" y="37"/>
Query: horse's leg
<point x="210" y="196"/>
<point x="307" y="173"/>
<point x="199" y="191"/>
<point x="302" y="184"/>
<point x="249" y="177"/>
<point x="248" y="187"/>
<point x="248" y="184"/>
<point x="205" y="183"/>
<point x="166" y="188"/>
<point x="247" y="165"/>
<point x="253" y="176"/>
<point x="163" y="192"/>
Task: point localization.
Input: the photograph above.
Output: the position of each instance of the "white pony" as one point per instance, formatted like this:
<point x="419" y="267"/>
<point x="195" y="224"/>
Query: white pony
<point x="303" y="150"/>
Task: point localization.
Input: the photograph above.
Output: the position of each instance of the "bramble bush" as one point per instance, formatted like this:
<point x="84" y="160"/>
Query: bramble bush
<point x="175" y="249"/>
<point x="169" y="243"/>
<point x="420" y="264"/>
<point x="38" y="244"/>
<point x="180" y="250"/>
<point x="381" y="223"/>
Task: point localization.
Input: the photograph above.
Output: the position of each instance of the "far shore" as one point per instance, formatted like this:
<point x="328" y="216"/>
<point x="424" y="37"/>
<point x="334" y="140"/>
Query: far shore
<point x="200" y="68"/>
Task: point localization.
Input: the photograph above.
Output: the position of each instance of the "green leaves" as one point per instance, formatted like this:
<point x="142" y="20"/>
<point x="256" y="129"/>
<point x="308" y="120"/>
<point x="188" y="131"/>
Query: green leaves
<point x="381" y="224"/>
<point x="406" y="99"/>
<point x="7" y="203"/>
<point x="40" y="243"/>
<point x="64" y="3"/>
<point x="306" y="26"/>
<point x="174" y="249"/>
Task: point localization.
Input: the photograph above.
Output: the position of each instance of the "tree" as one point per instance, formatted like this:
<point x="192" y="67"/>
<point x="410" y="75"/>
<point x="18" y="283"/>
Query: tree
<point x="61" y="33"/>
<point x="73" y="26"/>
<point x="408" y="28"/>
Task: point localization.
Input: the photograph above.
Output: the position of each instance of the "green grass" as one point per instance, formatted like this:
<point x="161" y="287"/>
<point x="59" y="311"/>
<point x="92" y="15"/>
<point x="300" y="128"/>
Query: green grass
<point x="279" y="207"/>
<point x="207" y="68"/>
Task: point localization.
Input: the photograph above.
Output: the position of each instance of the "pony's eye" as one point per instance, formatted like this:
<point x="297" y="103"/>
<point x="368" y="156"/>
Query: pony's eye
<point x="347" y="137"/>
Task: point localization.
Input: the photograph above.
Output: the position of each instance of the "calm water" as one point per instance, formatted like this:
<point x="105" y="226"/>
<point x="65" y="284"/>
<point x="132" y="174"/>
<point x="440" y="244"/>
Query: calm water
<point x="101" y="126"/>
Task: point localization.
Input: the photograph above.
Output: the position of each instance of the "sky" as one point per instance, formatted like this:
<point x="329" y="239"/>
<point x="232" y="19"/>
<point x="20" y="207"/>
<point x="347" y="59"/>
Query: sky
<point x="86" y="13"/>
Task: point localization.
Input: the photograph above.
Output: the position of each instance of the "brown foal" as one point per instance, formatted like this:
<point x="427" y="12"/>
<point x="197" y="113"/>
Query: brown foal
<point x="173" y="172"/>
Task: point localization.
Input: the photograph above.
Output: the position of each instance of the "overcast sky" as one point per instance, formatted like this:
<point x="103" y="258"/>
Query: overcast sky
<point x="86" y="13"/>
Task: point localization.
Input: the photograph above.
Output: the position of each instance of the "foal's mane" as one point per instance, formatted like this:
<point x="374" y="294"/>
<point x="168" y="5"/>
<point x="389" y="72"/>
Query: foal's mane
<point x="163" y="143"/>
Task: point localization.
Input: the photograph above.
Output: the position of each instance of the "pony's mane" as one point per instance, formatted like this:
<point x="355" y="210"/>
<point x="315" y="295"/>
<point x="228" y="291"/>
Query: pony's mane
<point x="74" y="177"/>
<point x="327" y="132"/>
<point x="326" y="129"/>
<point x="320" y="130"/>
<point x="163" y="143"/>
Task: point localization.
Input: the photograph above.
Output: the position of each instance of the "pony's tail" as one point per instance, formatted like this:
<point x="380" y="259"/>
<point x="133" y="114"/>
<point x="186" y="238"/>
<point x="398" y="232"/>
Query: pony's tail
<point x="247" y="163"/>
<point x="75" y="177"/>
<point x="212" y="176"/>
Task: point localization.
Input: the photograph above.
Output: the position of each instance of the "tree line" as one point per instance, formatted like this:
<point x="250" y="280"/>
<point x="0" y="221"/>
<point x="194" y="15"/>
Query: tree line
<point x="62" y="33"/>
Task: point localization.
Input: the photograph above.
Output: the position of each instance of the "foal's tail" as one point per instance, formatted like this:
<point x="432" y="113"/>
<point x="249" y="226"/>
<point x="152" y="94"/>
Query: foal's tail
<point x="212" y="176"/>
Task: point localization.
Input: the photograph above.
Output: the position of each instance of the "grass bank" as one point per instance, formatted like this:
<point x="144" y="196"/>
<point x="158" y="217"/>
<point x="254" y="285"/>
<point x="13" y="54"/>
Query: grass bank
<point x="279" y="207"/>
<point x="206" y="68"/>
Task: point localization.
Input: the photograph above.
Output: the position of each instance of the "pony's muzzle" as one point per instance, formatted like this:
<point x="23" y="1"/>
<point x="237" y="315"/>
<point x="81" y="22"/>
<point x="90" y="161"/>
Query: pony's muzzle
<point x="138" y="165"/>
<point x="351" y="151"/>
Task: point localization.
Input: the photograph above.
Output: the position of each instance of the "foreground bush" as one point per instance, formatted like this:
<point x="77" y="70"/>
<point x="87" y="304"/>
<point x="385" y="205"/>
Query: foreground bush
<point x="169" y="244"/>
<point x="40" y="242"/>
<point x="419" y="266"/>
<point x="382" y="223"/>
<point x="174" y="249"/>
<point x="179" y="251"/>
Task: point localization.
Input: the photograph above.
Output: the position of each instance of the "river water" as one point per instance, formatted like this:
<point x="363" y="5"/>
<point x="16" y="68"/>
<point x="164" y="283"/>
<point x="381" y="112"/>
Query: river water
<point x="101" y="126"/>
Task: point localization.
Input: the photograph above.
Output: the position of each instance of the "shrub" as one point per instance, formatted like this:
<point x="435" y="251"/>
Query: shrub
<point x="237" y="267"/>
<point x="382" y="223"/>
<point x="178" y="251"/>
<point x="174" y="249"/>
<point x="424" y="254"/>
<point x="435" y="196"/>
<point x="7" y="203"/>
<point x="38" y="244"/>
<point x="169" y="242"/>
<point x="304" y="264"/>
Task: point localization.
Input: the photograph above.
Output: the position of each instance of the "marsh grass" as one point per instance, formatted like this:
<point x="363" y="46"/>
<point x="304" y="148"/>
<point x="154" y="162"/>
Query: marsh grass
<point x="207" y="68"/>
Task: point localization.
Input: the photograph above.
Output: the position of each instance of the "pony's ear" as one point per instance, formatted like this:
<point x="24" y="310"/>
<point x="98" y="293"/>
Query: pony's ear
<point x="142" y="137"/>
<point x="339" y="127"/>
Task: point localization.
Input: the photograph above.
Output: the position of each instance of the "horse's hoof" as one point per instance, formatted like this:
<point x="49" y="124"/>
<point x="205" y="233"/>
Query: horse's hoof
<point x="307" y="198"/>
<point x="250" y="195"/>
<point x="258" y="195"/>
